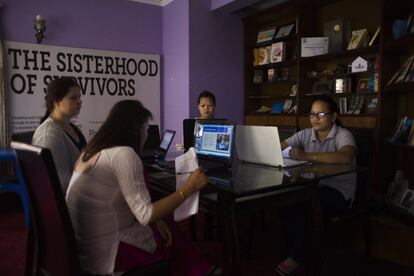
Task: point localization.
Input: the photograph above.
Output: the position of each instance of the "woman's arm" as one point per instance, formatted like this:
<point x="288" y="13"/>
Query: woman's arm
<point x="166" y="205"/>
<point x="344" y="155"/>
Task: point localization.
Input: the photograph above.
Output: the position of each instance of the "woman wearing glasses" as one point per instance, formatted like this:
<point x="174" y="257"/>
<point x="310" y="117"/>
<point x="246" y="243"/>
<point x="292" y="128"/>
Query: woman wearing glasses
<point x="325" y="142"/>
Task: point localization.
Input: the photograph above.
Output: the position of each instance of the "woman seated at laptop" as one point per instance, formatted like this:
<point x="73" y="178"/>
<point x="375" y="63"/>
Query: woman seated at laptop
<point x="111" y="208"/>
<point x="206" y="105"/>
<point x="56" y="132"/>
<point x="325" y="142"/>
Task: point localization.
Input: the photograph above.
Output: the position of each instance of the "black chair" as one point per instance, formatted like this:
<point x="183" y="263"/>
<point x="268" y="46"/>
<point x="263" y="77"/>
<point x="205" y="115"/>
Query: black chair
<point x="24" y="137"/>
<point x="359" y="210"/>
<point x="51" y="237"/>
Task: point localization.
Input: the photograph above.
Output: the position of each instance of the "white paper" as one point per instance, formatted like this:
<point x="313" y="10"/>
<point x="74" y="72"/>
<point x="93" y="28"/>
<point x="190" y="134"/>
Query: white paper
<point x="285" y="152"/>
<point x="184" y="165"/>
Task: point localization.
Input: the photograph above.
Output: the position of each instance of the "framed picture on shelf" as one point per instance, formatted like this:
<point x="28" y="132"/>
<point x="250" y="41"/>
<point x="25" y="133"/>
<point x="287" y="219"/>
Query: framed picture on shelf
<point x="358" y="38"/>
<point x="362" y="85"/>
<point x="285" y="30"/>
<point x="407" y="200"/>
<point x="266" y="35"/>
<point x="264" y="54"/>
<point x="277" y="52"/>
<point x="258" y="76"/>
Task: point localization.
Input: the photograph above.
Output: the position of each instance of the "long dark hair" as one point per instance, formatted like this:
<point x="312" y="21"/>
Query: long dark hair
<point x="332" y="105"/>
<point x="56" y="91"/>
<point x="121" y="128"/>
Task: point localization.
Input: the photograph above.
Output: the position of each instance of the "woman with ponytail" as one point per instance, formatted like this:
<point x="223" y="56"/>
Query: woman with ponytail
<point x="56" y="131"/>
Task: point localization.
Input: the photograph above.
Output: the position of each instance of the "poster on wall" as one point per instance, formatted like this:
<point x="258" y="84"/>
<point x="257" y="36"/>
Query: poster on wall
<point x="105" y="77"/>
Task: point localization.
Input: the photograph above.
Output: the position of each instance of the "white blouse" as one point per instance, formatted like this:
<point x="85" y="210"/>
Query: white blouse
<point x="108" y="204"/>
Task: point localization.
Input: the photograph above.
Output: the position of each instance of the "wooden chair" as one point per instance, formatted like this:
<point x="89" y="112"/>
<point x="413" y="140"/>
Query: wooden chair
<point x="53" y="241"/>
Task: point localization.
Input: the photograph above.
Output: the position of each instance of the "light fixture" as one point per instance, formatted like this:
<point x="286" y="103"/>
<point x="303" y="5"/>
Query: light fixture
<point x="40" y="27"/>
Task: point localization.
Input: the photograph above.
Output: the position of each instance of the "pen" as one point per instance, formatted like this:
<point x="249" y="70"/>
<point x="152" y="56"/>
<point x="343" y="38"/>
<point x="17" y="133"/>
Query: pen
<point x="183" y="173"/>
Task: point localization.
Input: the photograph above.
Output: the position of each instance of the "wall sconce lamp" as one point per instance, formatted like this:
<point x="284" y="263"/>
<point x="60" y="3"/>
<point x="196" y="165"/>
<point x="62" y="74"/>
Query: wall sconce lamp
<point x="40" y="27"/>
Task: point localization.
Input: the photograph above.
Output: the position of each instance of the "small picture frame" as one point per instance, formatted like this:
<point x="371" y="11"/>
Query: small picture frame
<point x="362" y="85"/>
<point x="284" y="30"/>
<point x="407" y="200"/>
<point x="266" y="35"/>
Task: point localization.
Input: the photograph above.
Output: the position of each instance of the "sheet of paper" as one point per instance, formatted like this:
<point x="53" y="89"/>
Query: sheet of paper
<point x="285" y="152"/>
<point x="184" y="165"/>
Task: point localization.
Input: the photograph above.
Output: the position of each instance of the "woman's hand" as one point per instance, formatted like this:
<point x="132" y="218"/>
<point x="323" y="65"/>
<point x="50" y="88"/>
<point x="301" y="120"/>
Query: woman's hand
<point x="198" y="179"/>
<point x="297" y="154"/>
<point x="164" y="232"/>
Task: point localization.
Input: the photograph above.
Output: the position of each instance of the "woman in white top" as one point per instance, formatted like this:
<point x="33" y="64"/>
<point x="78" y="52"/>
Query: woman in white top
<point x="56" y="131"/>
<point x="109" y="203"/>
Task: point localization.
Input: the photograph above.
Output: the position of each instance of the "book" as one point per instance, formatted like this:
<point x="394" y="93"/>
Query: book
<point x="409" y="77"/>
<point x="258" y="76"/>
<point x="264" y="54"/>
<point x="404" y="70"/>
<point x="271" y="74"/>
<point x="284" y="30"/>
<point x="287" y="105"/>
<point x="343" y="106"/>
<point x="256" y="55"/>
<point x="266" y="35"/>
<point x="357" y="39"/>
<point x="401" y="132"/>
<point x="374" y="37"/>
<point x="372" y="106"/>
<point x="277" y="108"/>
<point x="410" y="139"/>
<point x="277" y="52"/>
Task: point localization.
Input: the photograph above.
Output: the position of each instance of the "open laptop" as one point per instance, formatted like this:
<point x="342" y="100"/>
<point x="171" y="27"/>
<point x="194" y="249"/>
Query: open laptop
<point x="162" y="149"/>
<point x="188" y="131"/>
<point x="261" y="145"/>
<point x="213" y="143"/>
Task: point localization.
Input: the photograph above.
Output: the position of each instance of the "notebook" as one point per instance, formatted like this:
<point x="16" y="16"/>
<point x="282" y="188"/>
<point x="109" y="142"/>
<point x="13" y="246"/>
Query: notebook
<point x="162" y="149"/>
<point x="261" y="145"/>
<point x="213" y="143"/>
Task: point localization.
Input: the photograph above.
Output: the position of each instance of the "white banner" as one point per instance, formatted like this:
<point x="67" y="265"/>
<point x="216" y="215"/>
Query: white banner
<point x="105" y="77"/>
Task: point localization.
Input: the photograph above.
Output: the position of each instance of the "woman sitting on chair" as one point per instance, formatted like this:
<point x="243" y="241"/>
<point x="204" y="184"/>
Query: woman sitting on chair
<point x="110" y="205"/>
<point x="56" y="131"/>
<point x="325" y="142"/>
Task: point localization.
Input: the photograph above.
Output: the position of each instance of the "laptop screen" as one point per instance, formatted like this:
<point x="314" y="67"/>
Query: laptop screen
<point x="166" y="140"/>
<point x="214" y="140"/>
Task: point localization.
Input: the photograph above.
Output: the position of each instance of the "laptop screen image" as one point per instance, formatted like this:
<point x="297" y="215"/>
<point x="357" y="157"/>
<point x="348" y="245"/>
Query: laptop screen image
<point x="214" y="140"/>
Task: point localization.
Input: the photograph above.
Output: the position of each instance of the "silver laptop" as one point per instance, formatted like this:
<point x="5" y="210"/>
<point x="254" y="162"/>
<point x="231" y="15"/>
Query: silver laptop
<point x="261" y="145"/>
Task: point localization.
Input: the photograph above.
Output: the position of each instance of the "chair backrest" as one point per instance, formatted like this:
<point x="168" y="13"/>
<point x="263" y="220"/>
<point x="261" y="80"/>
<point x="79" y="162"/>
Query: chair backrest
<point x="55" y="239"/>
<point x="365" y="145"/>
<point x="24" y="137"/>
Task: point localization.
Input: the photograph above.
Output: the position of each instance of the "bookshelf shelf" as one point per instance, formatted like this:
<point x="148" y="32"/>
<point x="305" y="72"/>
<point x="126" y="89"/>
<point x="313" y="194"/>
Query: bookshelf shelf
<point x="400" y="88"/>
<point x="287" y="39"/>
<point x="365" y="52"/>
<point x="286" y="63"/>
<point x="401" y="44"/>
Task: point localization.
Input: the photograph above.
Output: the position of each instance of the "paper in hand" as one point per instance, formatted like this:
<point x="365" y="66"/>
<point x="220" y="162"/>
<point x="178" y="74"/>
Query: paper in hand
<point x="184" y="165"/>
<point x="285" y="152"/>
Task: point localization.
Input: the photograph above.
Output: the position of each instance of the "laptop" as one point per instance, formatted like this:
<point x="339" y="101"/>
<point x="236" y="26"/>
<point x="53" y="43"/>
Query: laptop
<point x="162" y="149"/>
<point x="188" y="131"/>
<point x="213" y="143"/>
<point x="261" y="145"/>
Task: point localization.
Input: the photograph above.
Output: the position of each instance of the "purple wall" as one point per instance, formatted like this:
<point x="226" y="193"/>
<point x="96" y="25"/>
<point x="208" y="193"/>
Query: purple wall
<point x="98" y="24"/>
<point x="216" y="60"/>
<point x="176" y="66"/>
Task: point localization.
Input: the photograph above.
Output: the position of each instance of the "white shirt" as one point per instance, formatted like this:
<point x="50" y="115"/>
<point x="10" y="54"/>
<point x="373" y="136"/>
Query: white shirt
<point x="108" y="204"/>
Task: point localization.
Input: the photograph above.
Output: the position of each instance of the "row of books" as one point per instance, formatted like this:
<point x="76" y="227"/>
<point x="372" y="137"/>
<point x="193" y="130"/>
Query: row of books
<point x="405" y="73"/>
<point x="288" y="107"/>
<point x="272" y="75"/>
<point x="403" y="132"/>
<point x="269" y="54"/>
